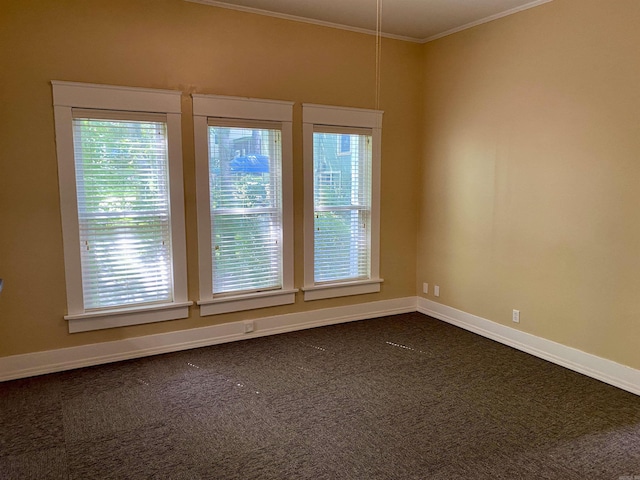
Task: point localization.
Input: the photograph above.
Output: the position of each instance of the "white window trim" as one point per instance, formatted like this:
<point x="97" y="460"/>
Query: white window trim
<point x="225" y="107"/>
<point x="331" y="116"/>
<point x="70" y="95"/>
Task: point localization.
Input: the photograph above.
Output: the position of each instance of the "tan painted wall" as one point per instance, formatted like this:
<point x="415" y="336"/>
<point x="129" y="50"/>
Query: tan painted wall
<point x="172" y="44"/>
<point x="530" y="188"/>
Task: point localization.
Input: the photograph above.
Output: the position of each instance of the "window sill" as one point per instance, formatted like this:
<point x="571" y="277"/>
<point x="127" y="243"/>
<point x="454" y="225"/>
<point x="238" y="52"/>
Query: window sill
<point x="248" y="301"/>
<point x="343" y="289"/>
<point x="122" y="317"/>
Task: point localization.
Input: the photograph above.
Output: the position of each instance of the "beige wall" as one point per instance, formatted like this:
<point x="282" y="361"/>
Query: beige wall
<point x="530" y="185"/>
<point x="172" y="44"/>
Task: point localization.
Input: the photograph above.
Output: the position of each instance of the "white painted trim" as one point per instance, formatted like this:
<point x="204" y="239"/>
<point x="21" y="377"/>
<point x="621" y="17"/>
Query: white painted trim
<point x="68" y="96"/>
<point x="205" y="261"/>
<point x="95" y="314"/>
<point x="328" y="117"/>
<point x="109" y="97"/>
<point x="341" y="116"/>
<point x="307" y="203"/>
<point x="295" y="18"/>
<point x="176" y="197"/>
<point x="247" y="301"/>
<point x="376" y="189"/>
<point x="607" y="371"/>
<point x="287" y="200"/>
<point x="240" y="109"/>
<point x="38" y="363"/>
<point x="488" y="19"/>
<point x="133" y="316"/>
<point x="343" y="289"/>
<point x="63" y="121"/>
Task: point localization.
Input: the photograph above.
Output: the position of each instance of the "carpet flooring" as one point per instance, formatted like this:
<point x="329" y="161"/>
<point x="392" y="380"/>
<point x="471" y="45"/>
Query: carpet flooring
<point x="400" y="397"/>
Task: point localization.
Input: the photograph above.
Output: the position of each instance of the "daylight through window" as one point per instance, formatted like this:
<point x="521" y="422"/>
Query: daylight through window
<point x="120" y="172"/>
<point x="245" y="202"/>
<point x="246" y="214"/>
<point x="123" y="211"/>
<point x="342" y="205"/>
<point x="341" y="201"/>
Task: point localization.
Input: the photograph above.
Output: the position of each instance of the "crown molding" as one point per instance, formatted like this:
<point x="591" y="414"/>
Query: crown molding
<point x="296" y="18"/>
<point x="366" y="31"/>
<point x="488" y="19"/>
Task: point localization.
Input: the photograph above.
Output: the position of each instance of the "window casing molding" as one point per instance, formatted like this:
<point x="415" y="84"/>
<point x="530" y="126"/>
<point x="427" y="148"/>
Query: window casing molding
<point x="241" y="112"/>
<point x="324" y="118"/>
<point x="124" y="103"/>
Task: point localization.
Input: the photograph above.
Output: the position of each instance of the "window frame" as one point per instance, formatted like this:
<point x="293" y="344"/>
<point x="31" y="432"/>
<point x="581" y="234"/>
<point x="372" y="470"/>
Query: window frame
<point x="230" y="109"/>
<point x="125" y="101"/>
<point x="322" y="117"/>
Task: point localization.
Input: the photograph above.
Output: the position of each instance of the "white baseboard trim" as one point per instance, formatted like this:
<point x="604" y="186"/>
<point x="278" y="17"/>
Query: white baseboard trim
<point x="607" y="371"/>
<point x="50" y="361"/>
<point x="38" y="363"/>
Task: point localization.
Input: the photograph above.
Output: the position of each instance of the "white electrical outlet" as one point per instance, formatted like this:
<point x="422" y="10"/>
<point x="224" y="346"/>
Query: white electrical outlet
<point x="436" y="290"/>
<point x="248" y="326"/>
<point x="516" y="316"/>
<point x="425" y="288"/>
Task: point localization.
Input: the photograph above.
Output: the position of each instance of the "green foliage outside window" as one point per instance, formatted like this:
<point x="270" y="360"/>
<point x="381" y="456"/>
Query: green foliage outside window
<point x="339" y="232"/>
<point x="123" y="211"/>
<point x="245" y="208"/>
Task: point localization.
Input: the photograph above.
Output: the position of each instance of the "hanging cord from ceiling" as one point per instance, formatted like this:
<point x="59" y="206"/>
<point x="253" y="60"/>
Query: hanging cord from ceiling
<point x="378" y="50"/>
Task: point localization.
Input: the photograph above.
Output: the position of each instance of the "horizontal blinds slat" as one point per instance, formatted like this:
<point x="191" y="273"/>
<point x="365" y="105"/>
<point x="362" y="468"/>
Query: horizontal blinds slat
<point x="341" y="245"/>
<point x="342" y="130"/>
<point x="120" y="115"/>
<point x="247" y="252"/>
<point x="238" y="123"/>
<point x="342" y="204"/>
<point x="246" y="206"/>
<point x="123" y="211"/>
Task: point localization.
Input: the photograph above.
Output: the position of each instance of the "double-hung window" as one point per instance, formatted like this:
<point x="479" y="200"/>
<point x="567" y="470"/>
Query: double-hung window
<point x="120" y="174"/>
<point x="342" y="188"/>
<point x="245" y="224"/>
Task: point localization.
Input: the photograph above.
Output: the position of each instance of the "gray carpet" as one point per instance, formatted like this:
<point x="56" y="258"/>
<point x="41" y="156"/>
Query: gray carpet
<point x="402" y="397"/>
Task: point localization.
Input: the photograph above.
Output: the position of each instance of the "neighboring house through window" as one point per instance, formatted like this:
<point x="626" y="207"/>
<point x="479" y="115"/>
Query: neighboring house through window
<point x="342" y="198"/>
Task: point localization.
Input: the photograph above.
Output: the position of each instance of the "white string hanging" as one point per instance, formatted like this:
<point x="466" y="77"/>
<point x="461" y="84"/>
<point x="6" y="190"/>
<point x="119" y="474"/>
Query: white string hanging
<point x="378" y="50"/>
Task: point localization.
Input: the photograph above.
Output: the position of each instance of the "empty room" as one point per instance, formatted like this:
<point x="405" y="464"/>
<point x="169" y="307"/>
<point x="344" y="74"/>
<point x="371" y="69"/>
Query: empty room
<point x="282" y="239"/>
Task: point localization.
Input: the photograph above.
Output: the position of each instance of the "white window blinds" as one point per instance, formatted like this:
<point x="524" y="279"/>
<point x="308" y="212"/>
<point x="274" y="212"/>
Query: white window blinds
<point x="123" y="210"/>
<point x="342" y="204"/>
<point x="245" y="162"/>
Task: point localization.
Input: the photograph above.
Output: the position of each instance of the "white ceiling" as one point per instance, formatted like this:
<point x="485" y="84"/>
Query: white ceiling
<point x="413" y="20"/>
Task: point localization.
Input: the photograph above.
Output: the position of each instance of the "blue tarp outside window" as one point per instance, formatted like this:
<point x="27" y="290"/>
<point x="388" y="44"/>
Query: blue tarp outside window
<point x="250" y="164"/>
